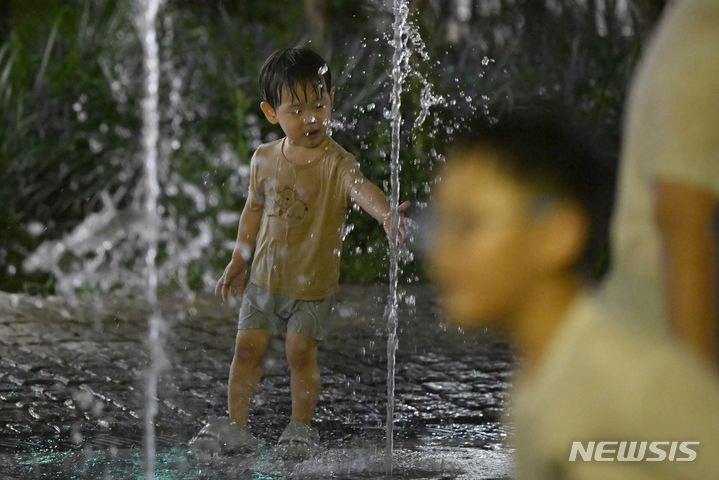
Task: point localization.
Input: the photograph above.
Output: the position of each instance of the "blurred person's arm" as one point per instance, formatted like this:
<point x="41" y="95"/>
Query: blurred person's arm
<point x="686" y="218"/>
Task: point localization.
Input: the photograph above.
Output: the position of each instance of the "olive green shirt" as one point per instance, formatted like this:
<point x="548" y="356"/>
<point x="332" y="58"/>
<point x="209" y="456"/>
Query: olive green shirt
<point x="304" y="208"/>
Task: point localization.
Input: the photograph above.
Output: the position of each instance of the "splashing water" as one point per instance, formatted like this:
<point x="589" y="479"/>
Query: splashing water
<point x="150" y="134"/>
<point x="406" y="42"/>
<point x="106" y="251"/>
<point x="400" y="60"/>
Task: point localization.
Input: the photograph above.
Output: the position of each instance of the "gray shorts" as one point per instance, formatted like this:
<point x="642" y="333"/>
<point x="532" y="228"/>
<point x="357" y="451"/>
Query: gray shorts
<point x="276" y="312"/>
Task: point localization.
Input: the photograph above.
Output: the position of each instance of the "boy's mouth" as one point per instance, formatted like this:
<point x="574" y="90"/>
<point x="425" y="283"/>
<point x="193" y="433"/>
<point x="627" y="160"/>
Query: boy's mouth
<point x="311" y="133"/>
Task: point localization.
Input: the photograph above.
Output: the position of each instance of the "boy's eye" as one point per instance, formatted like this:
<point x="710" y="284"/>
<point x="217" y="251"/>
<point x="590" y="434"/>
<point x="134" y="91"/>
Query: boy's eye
<point x="296" y="111"/>
<point x="320" y="105"/>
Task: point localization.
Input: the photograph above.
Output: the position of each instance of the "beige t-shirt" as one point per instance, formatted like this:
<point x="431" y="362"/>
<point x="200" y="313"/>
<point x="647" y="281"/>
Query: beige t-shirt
<point x="304" y="208"/>
<point x="671" y="133"/>
<point x="601" y="381"/>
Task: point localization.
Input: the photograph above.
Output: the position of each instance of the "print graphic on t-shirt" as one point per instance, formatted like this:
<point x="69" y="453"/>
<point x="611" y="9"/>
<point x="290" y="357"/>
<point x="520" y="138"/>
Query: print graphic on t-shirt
<point x="289" y="206"/>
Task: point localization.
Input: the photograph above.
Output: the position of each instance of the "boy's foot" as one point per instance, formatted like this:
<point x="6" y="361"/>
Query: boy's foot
<point x="297" y="441"/>
<point x="223" y="435"/>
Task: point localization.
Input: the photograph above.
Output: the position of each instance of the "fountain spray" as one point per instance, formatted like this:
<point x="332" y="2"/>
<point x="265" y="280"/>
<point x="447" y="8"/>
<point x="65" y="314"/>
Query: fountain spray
<point x="147" y="13"/>
<point x="400" y="60"/>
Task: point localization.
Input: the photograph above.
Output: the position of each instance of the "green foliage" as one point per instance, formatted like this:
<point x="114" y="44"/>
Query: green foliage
<point x="65" y="132"/>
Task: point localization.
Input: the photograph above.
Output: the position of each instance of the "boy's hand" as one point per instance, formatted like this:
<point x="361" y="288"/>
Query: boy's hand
<point x="387" y="221"/>
<point x="232" y="280"/>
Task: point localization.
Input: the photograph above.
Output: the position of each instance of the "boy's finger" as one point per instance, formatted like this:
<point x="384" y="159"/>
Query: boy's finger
<point x="404" y="206"/>
<point x="237" y="291"/>
<point x="218" y="286"/>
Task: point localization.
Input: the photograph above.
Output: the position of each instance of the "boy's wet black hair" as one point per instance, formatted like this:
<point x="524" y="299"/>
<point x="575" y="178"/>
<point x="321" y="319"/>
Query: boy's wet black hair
<point x="291" y="67"/>
<point x="554" y="153"/>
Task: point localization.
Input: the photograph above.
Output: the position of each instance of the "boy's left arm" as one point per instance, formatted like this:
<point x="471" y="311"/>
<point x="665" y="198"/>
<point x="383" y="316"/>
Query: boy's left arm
<point x="373" y="201"/>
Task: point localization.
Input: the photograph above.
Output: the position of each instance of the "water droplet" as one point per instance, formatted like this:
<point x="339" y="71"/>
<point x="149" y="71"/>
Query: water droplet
<point x="323" y="69"/>
<point x="35" y="228"/>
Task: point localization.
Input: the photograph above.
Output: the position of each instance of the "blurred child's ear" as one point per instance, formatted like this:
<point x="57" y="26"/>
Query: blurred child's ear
<point x="332" y="97"/>
<point x="562" y="236"/>
<point x="269" y="112"/>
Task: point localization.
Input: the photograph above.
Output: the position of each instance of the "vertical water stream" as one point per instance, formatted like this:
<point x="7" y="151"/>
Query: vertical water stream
<point x="146" y="16"/>
<point x="399" y="61"/>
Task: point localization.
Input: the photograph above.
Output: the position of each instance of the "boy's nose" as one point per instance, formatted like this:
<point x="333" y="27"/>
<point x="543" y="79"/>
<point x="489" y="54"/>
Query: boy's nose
<point x="310" y="119"/>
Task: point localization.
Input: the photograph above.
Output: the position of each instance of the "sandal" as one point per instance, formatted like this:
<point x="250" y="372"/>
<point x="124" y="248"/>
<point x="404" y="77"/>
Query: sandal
<point x="298" y="440"/>
<point x="223" y="435"/>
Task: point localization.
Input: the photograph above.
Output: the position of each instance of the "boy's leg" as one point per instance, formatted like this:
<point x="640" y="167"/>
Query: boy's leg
<point x="250" y="347"/>
<point x="301" y="352"/>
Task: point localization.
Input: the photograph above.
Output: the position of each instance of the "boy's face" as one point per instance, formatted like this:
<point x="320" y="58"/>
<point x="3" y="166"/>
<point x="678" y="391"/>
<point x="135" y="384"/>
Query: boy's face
<point x="490" y="249"/>
<point x="302" y="116"/>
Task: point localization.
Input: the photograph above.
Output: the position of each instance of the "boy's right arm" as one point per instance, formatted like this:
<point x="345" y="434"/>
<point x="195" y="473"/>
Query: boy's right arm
<point x="373" y="201"/>
<point x="232" y="280"/>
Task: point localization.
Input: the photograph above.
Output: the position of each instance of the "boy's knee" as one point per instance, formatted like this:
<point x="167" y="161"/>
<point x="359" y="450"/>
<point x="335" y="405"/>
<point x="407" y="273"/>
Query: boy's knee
<point x="251" y="345"/>
<point x="300" y="349"/>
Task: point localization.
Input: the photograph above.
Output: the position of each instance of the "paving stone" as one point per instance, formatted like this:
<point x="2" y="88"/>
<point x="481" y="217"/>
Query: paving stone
<point x="72" y="378"/>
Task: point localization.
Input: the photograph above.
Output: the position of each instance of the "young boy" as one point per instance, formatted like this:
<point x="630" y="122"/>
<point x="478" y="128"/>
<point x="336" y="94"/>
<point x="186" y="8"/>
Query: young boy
<point x="300" y="188"/>
<point x="522" y="208"/>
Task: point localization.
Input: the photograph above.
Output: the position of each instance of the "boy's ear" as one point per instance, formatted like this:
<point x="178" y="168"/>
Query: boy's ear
<point x="562" y="237"/>
<point x="332" y="98"/>
<point x="269" y="112"/>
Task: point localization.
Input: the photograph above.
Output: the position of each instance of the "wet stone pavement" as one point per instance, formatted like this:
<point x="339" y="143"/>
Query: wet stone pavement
<point x="73" y="374"/>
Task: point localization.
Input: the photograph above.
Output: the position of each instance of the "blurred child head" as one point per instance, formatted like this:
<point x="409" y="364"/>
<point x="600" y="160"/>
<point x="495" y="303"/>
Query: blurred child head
<point x="523" y="203"/>
<point x="297" y="94"/>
